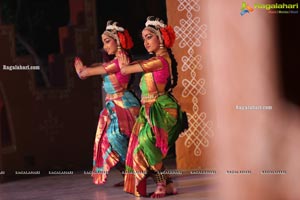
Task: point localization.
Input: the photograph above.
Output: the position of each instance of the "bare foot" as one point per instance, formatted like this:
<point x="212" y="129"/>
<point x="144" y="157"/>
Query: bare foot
<point x="160" y="191"/>
<point x="170" y="189"/>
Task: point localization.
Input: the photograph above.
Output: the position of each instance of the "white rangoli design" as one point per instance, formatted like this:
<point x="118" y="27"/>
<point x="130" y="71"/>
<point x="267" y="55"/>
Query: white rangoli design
<point x="190" y="33"/>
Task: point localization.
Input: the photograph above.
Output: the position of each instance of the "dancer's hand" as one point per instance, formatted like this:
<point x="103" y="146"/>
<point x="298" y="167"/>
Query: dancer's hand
<point x="80" y="68"/>
<point x="122" y="59"/>
<point x="78" y="65"/>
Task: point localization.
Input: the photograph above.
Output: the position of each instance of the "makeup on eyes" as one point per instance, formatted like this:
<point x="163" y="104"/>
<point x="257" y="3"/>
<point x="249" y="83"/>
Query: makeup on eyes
<point x="148" y="36"/>
<point x="107" y="40"/>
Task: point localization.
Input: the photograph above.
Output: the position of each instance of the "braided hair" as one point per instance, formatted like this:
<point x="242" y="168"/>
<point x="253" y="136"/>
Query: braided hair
<point x="166" y="36"/>
<point x="172" y="83"/>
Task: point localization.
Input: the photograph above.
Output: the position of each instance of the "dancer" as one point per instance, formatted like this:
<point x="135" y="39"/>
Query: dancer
<point x="160" y="119"/>
<point x="121" y="107"/>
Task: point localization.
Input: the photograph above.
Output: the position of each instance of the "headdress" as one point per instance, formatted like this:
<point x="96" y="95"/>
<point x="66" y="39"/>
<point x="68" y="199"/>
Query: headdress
<point x="118" y="33"/>
<point x="164" y="32"/>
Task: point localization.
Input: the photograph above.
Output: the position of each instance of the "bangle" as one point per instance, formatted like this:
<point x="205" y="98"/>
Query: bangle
<point x="141" y="66"/>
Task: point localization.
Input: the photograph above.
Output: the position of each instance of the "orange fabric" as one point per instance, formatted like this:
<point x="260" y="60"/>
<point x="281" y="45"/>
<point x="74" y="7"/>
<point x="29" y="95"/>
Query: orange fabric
<point x="189" y="153"/>
<point x="111" y="68"/>
<point x="151" y="64"/>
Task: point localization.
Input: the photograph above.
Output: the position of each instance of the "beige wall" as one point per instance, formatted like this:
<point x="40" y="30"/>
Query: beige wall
<point x="239" y="63"/>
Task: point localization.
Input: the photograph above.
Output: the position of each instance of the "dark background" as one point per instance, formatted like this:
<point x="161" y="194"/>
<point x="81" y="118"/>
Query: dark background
<point x="37" y="22"/>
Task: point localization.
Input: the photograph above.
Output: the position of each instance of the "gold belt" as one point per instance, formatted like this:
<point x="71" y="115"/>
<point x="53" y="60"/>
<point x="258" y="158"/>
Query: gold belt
<point x="150" y="97"/>
<point x="114" y="96"/>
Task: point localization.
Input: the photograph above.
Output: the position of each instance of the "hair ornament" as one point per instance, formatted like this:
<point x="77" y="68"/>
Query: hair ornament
<point x="164" y="32"/>
<point x="157" y="23"/>
<point x="120" y="34"/>
<point x="113" y="26"/>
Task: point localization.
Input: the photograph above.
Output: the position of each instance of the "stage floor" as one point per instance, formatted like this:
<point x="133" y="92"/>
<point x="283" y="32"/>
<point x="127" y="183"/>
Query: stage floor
<point x="79" y="186"/>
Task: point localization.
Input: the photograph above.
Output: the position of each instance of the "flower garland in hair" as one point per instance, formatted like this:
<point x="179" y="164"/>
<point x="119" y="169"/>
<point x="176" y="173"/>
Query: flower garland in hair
<point x="166" y="32"/>
<point x="114" y="26"/>
<point x="125" y="40"/>
<point x="168" y="36"/>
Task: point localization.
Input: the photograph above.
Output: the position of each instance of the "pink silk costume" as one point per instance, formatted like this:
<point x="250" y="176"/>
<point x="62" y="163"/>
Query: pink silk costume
<point x="157" y="126"/>
<point x="115" y="122"/>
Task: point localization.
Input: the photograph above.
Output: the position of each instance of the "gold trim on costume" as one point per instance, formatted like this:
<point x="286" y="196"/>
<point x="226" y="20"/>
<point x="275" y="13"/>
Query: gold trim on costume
<point x="152" y="65"/>
<point x="111" y="68"/>
<point x="114" y="96"/>
<point x="151" y="97"/>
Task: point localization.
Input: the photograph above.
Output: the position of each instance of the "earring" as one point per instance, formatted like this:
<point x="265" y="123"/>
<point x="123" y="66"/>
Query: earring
<point x="161" y="45"/>
<point x="119" y="48"/>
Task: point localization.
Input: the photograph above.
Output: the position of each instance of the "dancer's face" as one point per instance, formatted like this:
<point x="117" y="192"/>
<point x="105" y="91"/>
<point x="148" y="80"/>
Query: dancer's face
<point x="109" y="44"/>
<point x="151" y="41"/>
